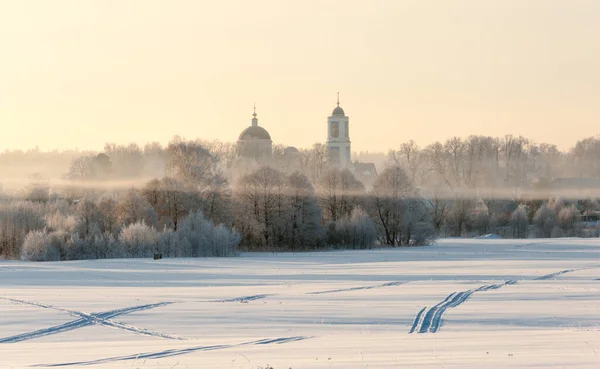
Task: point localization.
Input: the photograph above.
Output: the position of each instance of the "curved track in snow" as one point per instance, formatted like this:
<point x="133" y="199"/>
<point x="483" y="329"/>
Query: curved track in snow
<point x="429" y="319"/>
<point x="389" y="284"/>
<point x="177" y="352"/>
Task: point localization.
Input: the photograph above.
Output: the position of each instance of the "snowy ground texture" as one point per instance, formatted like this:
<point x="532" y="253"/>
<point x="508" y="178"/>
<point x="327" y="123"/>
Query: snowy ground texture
<point x="459" y="304"/>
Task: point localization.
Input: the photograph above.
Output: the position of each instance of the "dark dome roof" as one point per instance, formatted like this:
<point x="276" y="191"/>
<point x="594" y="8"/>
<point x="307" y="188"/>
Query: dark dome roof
<point x="255" y="132"/>
<point x="338" y="111"/>
<point x="290" y="150"/>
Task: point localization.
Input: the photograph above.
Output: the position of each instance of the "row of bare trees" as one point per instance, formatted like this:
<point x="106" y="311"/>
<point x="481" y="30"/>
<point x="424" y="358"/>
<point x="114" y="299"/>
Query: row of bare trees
<point x="419" y="193"/>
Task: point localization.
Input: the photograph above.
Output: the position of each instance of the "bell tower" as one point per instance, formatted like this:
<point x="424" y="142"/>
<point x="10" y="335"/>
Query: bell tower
<point x="338" y="137"/>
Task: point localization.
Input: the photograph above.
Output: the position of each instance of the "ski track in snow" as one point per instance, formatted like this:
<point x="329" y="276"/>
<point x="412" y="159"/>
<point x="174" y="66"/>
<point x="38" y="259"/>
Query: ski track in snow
<point x="102" y="319"/>
<point x="97" y="319"/>
<point x="389" y="284"/>
<point x="177" y="352"/>
<point x="554" y="275"/>
<point x="429" y="320"/>
<point x="79" y="323"/>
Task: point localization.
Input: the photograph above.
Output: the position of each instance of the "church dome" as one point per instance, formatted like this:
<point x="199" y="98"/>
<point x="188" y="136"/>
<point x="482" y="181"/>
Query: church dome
<point x="290" y="150"/>
<point x="338" y="111"/>
<point x="254" y="133"/>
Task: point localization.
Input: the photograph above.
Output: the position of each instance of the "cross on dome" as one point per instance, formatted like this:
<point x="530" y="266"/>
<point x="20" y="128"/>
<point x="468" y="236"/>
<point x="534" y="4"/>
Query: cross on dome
<point x="338" y="111"/>
<point x="254" y="119"/>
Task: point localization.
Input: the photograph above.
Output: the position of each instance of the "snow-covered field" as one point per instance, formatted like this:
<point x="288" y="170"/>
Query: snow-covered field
<point x="459" y="304"/>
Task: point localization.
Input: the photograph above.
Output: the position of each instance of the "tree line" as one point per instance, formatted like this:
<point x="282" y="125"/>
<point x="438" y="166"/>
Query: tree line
<point x="192" y="198"/>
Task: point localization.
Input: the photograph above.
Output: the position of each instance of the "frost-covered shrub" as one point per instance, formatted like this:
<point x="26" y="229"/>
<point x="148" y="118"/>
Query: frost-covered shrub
<point x="97" y="247"/>
<point x="172" y="244"/>
<point x="423" y="234"/>
<point x="519" y="223"/>
<point x="480" y="223"/>
<point x="59" y="240"/>
<point x="545" y="221"/>
<point x="221" y="241"/>
<point x="357" y="232"/>
<point x="206" y="239"/>
<point x="138" y="240"/>
<point x="557" y="232"/>
<point x="567" y="218"/>
<point x="37" y="247"/>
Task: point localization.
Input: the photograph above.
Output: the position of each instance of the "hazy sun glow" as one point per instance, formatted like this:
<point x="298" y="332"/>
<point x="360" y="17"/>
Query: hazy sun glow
<point x="81" y="73"/>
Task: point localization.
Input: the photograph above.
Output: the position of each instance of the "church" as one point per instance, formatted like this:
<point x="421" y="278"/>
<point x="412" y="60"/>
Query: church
<point x="255" y="144"/>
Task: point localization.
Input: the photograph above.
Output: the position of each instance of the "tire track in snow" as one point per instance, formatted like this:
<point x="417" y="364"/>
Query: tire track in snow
<point x="177" y="352"/>
<point x="418" y="320"/>
<point x="429" y="319"/>
<point x="389" y="284"/>
<point x="428" y="315"/>
<point x="94" y="319"/>
<point x="79" y="323"/>
<point x="245" y="298"/>
<point x="554" y="275"/>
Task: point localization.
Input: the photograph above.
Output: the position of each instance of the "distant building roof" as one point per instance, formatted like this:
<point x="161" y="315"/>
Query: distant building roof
<point x="480" y="206"/>
<point x="503" y="206"/>
<point x="575" y="183"/>
<point x="365" y="169"/>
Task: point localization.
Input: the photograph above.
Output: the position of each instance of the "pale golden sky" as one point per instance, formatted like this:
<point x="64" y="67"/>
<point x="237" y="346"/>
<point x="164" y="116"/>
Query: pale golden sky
<point x="81" y="73"/>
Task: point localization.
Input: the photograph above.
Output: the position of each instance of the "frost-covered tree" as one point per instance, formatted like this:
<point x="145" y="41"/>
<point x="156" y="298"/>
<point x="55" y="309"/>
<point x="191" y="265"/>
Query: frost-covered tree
<point x="109" y="220"/>
<point x="216" y="200"/>
<point x="17" y="219"/>
<point x="339" y="194"/>
<point x="206" y="239"/>
<point x="174" y="244"/>
<point x="410" y="158"/>
<point x="388" y="204"/>
<point x="38" y="189"/>
<point x="304" y="224"/>
<point x="545" y="221"/>
<point x="138" y="240"/>
<point x="588" y="207"/>
<point x="313" y="162"/>
<point x="133" y="208"/>
<point x="584" y="158"/>
<point x="460" y="216"/>
<point x="519" y="223"/>
<point x="126" y="161"/>
<point x="260" y="198"/>
<point x="439" y="206"/>
<point x="171" y="200"/>
<point x="399" y="212"/>
<point x="88" y="219"/>
<point x="417" y="226"/>
<point x="189" y="161"/>
<point x="567" y="218"/>
<point x="82" y="169"/>
<point x="155" y="161"/>
<point x="480" y="223"/>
